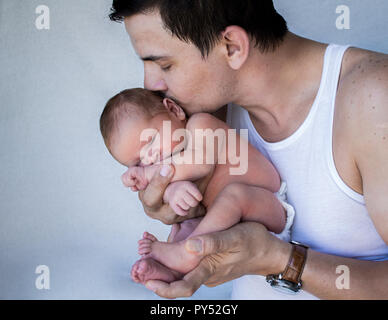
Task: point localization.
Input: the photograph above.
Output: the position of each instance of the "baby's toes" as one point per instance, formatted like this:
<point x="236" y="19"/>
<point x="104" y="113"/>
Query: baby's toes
<point x="144" y="249"/>
<point x="145" y="246"/>
<point x="149" y="236"/>
<point x="134" y="272"/>
<point x="145" y="242"/>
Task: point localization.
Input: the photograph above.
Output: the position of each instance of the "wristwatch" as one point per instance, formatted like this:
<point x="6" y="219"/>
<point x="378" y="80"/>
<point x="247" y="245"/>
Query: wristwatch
<point x="289" y="280"/>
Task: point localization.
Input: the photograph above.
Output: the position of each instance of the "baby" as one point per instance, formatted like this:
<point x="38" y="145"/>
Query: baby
<point x="132" y="127"/>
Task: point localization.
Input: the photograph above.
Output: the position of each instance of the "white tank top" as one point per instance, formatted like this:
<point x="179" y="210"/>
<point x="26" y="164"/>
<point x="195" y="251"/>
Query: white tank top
<point x="330" y="216"/>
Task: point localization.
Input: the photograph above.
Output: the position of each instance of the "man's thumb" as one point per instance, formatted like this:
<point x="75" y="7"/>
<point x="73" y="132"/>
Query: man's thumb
<point x="194" y="246"/>
<point x="165" y="171"/>
<point x="205" y="244"/>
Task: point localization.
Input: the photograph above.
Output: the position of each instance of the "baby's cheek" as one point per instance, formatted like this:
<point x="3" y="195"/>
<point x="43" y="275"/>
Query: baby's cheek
<point x="168" y="148"/>
<point x="176" y="146"/>
<point x="148" y="157"/>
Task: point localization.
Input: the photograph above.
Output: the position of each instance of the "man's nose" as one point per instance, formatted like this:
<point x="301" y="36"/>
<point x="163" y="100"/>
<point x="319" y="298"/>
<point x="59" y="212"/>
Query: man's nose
<point x="154" y="82"/>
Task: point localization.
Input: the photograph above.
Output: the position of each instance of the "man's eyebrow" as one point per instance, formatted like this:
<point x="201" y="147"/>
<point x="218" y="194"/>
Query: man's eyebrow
<point x="153" y="58"/>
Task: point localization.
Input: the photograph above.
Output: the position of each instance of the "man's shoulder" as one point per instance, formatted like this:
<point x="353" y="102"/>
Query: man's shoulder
<point x="363" y="87"/>
<point x="362" y="98"/>
<point x="363" y="73"/>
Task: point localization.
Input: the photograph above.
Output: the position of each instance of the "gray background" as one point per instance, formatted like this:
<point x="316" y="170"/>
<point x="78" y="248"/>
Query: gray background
<point x="61" y="200"/>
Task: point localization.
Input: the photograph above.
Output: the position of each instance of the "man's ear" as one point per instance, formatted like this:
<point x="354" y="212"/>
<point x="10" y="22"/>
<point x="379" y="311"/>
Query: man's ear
<point x="237" y="44"/>
<point x="174" y="108"/>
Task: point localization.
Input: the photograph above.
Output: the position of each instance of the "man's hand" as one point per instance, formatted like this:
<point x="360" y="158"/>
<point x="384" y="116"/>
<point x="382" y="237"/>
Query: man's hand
<point x="246" y="248"/>
<point x="152" y="199"/>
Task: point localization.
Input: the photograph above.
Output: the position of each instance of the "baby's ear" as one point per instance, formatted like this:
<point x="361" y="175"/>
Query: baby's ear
<point x="174" y="108"/>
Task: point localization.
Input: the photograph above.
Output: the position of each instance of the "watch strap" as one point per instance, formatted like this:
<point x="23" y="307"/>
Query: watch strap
<point x="295" y="265"/>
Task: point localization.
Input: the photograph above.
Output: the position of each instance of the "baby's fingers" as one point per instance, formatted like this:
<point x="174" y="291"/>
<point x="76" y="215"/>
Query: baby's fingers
<point x="193" y="190"/>
<point x="141" y="184"/>
<point x="178" y="210"/>
<point x="182" y="203"/>
<point x="126" y="180"/>
<point x="190" y="200"/>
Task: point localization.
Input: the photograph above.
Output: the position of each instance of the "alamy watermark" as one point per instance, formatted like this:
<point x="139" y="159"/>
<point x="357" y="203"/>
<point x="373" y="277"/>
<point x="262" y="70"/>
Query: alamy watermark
<point x="343" y="20"/>
<point x="202" y="142"/>
<point x="343" y="281"/>
<point x="43" y="280"/>
<point x="42" y="22"/>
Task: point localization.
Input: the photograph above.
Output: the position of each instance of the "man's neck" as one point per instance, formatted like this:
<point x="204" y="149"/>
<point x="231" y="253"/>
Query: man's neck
<point x="278" y="88"/>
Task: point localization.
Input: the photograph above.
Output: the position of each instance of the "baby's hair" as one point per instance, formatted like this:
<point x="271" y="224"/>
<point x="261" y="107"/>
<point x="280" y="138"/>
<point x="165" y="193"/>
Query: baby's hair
<point x="126" y="104"/>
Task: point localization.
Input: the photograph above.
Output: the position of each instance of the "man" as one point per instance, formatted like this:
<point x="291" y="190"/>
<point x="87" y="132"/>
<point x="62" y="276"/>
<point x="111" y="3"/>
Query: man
<point x="206" y="54"/>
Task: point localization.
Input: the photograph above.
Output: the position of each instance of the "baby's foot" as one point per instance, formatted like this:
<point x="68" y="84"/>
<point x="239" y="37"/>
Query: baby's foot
<point x="145" y="244"/>
<point x="172" y="255"/>
<point x="150" y="269"/>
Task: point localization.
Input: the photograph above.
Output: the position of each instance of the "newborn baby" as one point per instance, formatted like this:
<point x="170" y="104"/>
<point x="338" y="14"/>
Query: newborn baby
<point x="133" y="127"/>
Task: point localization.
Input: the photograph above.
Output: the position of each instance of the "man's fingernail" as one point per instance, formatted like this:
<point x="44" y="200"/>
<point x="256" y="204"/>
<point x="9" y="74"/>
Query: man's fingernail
<point x="194" y="245"/>
<point x="165" y="171"/>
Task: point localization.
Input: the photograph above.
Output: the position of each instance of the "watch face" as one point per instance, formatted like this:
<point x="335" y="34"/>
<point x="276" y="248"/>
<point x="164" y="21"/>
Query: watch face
<point x="298" y="244"/>
<point x="285" y="287"/>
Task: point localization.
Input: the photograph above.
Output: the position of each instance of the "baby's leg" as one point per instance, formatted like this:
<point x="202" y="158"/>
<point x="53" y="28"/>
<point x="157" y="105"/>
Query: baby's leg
<point x="240" y="202"/>
<point x="232" y="205"/>
<point x="181" y="231"/>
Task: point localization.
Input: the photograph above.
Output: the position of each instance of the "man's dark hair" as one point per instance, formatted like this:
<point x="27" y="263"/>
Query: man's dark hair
<point x="202" y="21"/>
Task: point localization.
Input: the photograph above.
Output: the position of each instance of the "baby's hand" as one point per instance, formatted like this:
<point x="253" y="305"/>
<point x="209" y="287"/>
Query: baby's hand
<point x="135" y="178"/>
<point x="181" y="195"/>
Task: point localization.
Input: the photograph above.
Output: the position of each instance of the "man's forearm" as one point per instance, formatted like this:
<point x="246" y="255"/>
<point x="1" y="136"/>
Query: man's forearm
<point x="356" y="279"/>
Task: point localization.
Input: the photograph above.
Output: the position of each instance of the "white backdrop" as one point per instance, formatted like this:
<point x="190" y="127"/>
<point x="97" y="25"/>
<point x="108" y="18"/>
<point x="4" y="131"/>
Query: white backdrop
<point x="61" y="200"/>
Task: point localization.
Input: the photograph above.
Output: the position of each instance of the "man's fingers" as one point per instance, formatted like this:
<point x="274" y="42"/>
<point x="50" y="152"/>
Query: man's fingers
<point x="170" y="290"/>
<point x="182" y="288"/>
<point x="153" y="194"/>
<point x="211" y="243"/>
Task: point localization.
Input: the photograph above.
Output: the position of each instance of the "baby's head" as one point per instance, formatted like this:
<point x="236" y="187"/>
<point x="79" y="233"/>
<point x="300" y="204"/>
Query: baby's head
<point x="128" y="114"/>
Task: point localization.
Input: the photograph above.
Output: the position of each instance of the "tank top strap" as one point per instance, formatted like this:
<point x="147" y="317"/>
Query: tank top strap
<point x="332" y="69"/>
<point x="328" y="87"/>
<point x="324" y="117"/>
